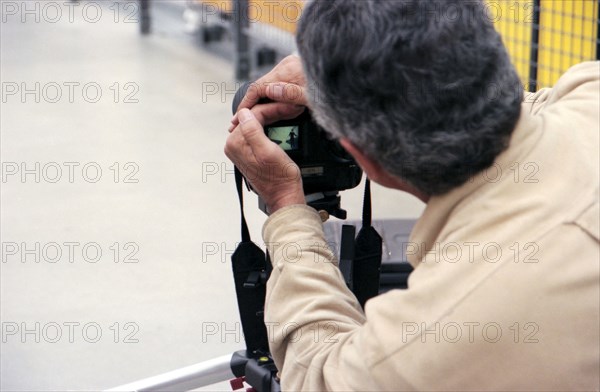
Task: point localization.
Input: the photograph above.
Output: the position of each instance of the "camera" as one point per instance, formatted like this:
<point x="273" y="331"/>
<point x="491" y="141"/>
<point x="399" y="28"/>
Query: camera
<point x="326" y="168"/>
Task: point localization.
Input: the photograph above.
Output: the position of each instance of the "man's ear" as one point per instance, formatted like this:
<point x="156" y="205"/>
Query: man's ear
<point x="375" y="172"/>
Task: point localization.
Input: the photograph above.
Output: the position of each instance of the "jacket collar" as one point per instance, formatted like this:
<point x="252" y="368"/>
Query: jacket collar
<point x="439" y="208"/>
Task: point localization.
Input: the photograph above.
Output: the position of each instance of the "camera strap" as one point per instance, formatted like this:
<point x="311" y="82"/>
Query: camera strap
<point x="360" y="261"/>
<point x="347" y="254"/>
<point x="251" y="269"/>
<point x="367" y="255"/>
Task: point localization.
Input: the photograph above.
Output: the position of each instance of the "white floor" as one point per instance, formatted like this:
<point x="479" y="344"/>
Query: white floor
<point x="165" y="196"/>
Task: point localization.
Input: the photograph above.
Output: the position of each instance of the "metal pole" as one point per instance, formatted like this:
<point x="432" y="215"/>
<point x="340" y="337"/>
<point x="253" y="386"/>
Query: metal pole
<point x="241" y="24"/>
<point x="145" y="16"/>
<point x="184" y="379"/>
<point x="535" y="43"/>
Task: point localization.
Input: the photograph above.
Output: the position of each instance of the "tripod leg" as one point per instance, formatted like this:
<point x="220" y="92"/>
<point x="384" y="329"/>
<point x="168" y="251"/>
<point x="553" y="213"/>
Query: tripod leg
<point x="184" y="379"/>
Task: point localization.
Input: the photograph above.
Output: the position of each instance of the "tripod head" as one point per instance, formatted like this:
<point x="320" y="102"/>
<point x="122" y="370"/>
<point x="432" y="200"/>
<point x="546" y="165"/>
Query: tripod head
<point x="326" y="203"/>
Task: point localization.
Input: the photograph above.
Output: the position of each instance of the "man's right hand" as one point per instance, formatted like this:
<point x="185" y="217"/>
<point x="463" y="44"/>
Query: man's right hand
<point x="285" y="85"/>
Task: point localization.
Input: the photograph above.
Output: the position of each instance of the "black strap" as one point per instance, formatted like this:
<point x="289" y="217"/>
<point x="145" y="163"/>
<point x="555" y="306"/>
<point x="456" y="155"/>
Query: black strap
<point x="347" y="249"/>
<point x="366" y="217"/>
<point x="368" y="254"/>
<point x="250" y="273"/>
<point x="238" y="184"/>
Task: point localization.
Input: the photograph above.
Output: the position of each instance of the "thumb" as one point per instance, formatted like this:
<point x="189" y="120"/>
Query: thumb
<point x="253" y="132"/>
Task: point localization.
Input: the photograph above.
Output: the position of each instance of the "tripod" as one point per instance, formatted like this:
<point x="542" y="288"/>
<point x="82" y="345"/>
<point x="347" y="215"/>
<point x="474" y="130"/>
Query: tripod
<point x="227" y="367"/>
<point x="360" y="262"/>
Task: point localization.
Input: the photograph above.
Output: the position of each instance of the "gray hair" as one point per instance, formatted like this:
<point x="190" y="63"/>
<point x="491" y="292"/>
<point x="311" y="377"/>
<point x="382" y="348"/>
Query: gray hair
<point x="424" y="88"/>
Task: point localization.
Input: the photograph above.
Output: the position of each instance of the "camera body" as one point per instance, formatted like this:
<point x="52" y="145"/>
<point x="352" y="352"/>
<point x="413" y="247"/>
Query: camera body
<point x="324" y="165"/>
<point x="326" y="168"/>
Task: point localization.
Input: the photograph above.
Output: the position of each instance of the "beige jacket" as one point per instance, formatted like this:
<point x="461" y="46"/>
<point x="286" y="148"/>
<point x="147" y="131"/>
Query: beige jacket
<point x="505" y="292"/>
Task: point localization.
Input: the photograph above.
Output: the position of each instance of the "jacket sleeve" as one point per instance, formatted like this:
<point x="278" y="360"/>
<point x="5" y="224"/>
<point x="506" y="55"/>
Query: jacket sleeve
<point x="464" y="325"/>
<point x="315" y="323"/>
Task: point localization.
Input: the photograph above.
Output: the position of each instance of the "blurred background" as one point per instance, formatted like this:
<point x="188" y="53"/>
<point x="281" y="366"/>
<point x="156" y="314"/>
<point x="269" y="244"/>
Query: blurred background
<point x="118" y="206"/>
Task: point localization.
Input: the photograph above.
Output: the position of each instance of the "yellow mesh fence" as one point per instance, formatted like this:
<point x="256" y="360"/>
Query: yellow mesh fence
<point x="513" y="20"/>
<point x="568" y="34"/>
<point x="568" y="30"/>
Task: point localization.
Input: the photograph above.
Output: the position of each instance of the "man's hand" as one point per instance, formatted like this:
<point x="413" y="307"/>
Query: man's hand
<point x="285" y="85"/>
<point x="270" y="171"/>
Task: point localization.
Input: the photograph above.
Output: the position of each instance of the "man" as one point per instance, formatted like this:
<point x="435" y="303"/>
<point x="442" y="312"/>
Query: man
<point x="505" y="291"/>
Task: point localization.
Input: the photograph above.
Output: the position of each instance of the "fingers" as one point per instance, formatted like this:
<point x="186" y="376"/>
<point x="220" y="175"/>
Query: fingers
<point x="248" y="135"/>
<point x="285" y="83"/>
<point x="270" y="113"/>
<point x="234" y="146"/>
<point x="278" y="91"/>
<point x="254" y="136"/>
<point x="256" y="91"/>
<point x="288" y="74"/>
<point x="286" y="93"/>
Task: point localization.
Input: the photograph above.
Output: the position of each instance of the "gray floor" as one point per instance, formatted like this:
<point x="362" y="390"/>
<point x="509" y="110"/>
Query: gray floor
<point x="165" y="203"/>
